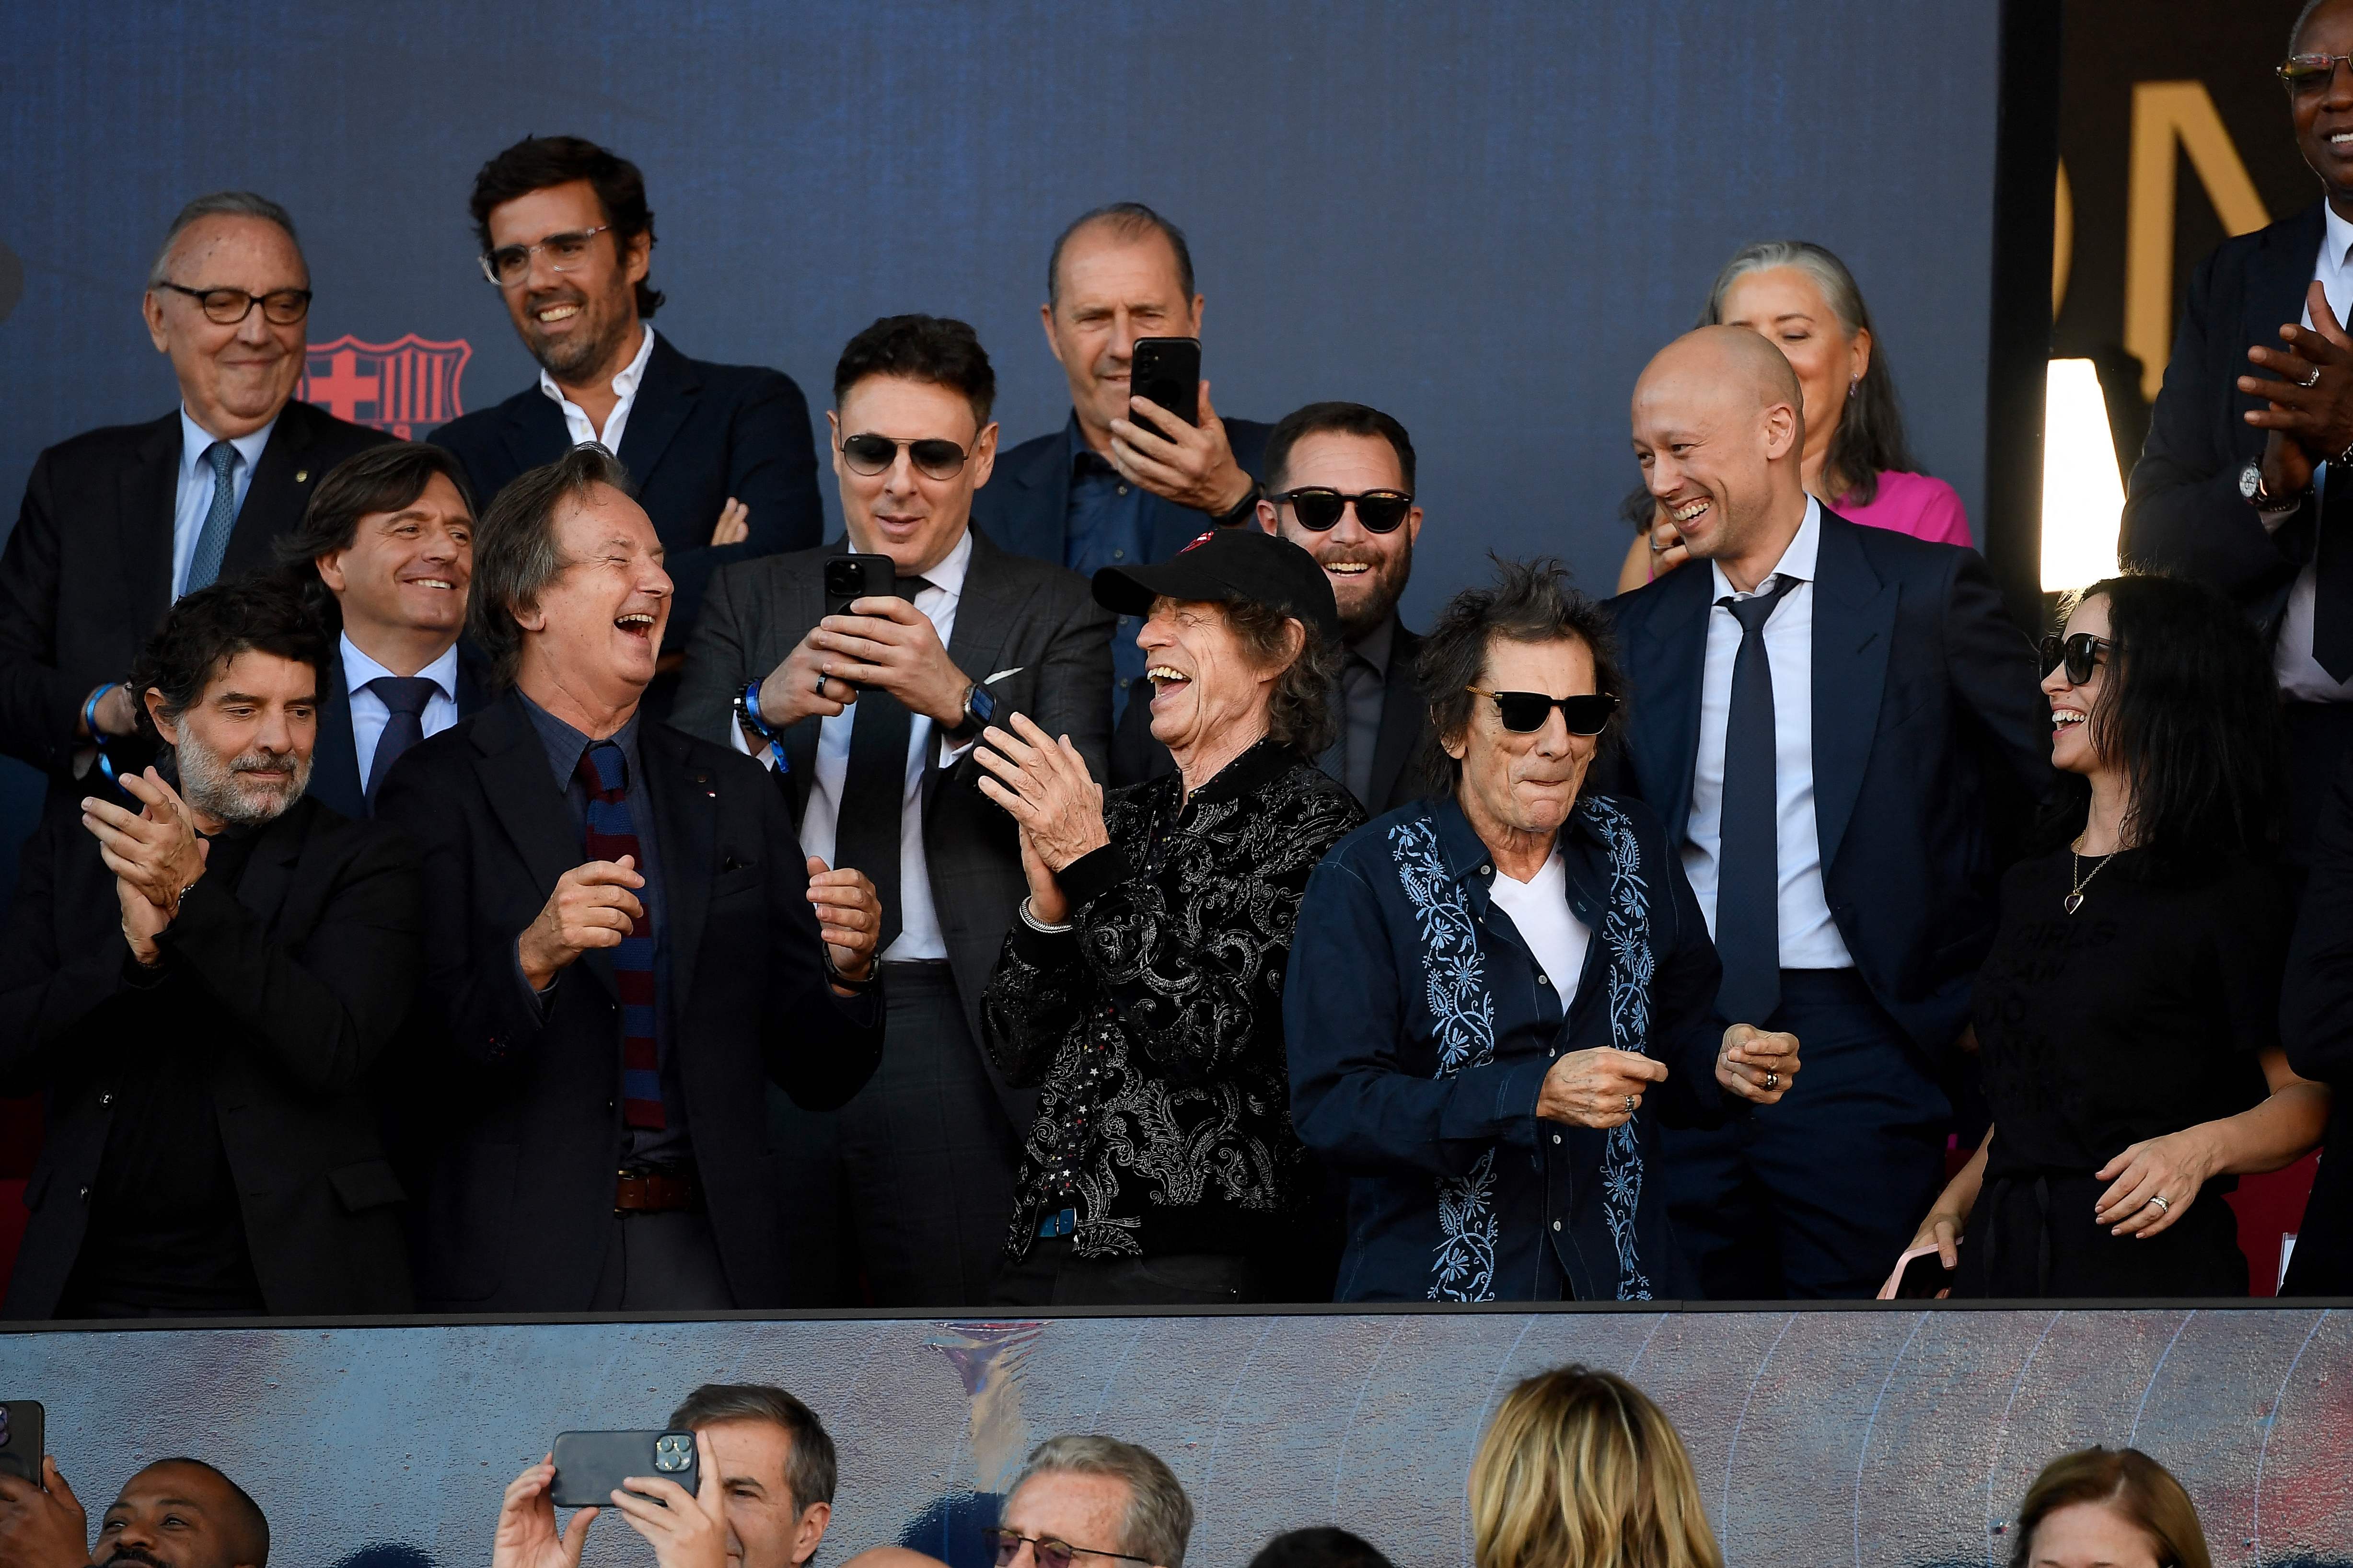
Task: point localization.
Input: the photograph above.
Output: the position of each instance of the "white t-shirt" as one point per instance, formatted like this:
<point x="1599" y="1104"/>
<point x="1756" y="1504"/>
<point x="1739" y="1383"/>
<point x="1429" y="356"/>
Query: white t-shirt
<point x="1540" y="911"/>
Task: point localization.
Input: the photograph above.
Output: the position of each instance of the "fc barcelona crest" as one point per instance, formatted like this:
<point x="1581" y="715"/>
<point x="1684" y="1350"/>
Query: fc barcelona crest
<point x="403" y="388"/>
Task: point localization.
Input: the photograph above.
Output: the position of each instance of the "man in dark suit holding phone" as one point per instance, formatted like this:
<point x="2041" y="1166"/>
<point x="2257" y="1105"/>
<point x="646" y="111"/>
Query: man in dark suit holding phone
<point x="1823" y="715"/>
<point x="874" y="712"/>
<point x="1109" y="488"/>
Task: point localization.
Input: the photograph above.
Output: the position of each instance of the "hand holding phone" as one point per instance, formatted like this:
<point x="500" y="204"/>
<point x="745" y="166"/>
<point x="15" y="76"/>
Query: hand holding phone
<point x="1920" y="1276"/>
<point x="1167" y="371"/>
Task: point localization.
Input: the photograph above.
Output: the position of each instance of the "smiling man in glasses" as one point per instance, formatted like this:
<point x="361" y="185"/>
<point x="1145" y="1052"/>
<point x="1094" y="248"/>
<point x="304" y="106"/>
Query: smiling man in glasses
<point x="870" y="716"/>
<point x="117" y="523"/>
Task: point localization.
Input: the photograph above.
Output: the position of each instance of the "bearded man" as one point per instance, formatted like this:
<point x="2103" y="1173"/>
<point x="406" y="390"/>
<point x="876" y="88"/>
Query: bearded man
<point x="201" y="994"/>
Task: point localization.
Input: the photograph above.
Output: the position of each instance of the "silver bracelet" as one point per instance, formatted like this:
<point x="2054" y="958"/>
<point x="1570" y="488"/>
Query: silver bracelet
<point x="1029" y="918"/>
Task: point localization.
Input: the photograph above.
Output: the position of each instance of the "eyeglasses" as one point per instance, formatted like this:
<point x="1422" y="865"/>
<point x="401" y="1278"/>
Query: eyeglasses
<point x="2310" y="73"/>
<point x="2079" y="653"/>
<point x="228" y="307"/>
<point x="1524" y="712"/>
<point x="1318" y="508"/>
<point x="1049" y="1552"/>
<point x="510" y="264"/>
<point x="933" y="459"/>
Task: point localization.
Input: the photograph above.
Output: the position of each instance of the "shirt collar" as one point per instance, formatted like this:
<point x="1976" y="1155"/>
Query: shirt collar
<point x="1373" y="646"/>
<point x="1074" y="438"/>
<point x="359" y="669"/>
<point x="2337" y="240"/>
<point x="1260" y="765"/>
<point x="565" y="744"/>
<point x="625" y="383"/>
<point x="948" y="575"/>
<point x="1797" y="561"/>
<point x="196" y="441"/>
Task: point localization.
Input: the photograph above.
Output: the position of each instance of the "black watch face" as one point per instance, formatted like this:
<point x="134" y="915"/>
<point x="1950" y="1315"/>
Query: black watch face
<point x="983" y="706"/>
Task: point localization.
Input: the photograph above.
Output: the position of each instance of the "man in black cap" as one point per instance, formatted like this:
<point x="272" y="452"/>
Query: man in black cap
<point x="1140" y="987"/>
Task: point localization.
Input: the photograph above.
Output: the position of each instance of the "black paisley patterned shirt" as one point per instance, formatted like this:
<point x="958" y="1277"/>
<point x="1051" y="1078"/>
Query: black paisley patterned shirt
<point x="1153" y="1027"/>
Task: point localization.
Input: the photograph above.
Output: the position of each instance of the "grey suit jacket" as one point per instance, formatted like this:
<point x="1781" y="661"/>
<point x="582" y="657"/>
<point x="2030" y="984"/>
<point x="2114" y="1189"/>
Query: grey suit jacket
<point x="1035" y="621"/>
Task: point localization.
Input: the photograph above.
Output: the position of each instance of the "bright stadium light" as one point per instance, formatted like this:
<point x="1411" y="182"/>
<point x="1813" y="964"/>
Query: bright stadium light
<point x="2082" y="494"/>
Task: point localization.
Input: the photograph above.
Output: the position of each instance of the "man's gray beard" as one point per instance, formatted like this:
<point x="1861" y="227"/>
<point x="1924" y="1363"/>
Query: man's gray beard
<point x="209" y="784"/>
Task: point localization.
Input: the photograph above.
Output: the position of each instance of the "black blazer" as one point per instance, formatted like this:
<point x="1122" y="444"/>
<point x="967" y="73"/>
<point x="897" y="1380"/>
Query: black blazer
<point x="518" y="1206"/>
<point x="301" y="976"/>
<point x="1927" y="725"/>
<point x="1038" y="621"/>
<point x="1135" y="756"/>
<point x="697" y="434"/>
<point x="1025" y="507"/>
<point x="2316" y="1028"/>
<point x="2183" y="512"/>
<point x="336" y="760"/>
<point x="87" y="577"/>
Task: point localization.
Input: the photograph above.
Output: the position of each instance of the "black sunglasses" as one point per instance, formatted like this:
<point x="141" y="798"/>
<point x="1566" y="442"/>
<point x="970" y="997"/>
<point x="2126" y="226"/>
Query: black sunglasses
<point x="1524" y="712"/>
<point x="2079" y="653"/>
<point x="933" y="458"/>
<point x="1049" y="1552"/>
<point x="1319" y="508"/>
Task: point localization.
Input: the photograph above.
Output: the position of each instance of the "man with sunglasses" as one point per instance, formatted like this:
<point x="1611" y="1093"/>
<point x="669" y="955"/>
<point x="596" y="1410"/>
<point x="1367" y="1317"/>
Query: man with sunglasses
<point x="721" y="454"/>
<point x="117" y="523"/>
<point x="1343" y="478"/>
<point x="1829" y="718"/>
<point x="2242" y="480"/>
<point x="868" y="718"/>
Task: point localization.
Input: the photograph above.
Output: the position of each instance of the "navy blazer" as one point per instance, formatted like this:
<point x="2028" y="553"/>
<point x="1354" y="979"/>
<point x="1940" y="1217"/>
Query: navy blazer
<point x="2316" y="1028"/>
<point x="335" y="760"/>
<point x="2184" y="512"/>
<point x="1026" y="505"/>
<point x="697" y="434"/>
<point x="1929" y="725"/>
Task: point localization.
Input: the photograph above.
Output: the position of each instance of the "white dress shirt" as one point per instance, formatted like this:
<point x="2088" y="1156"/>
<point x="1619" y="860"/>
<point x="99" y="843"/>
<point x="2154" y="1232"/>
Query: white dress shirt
<point x="2300" y="676"/>
<point x="919" y="920"/>
<point x="1540" y="912"/>
<point x="369" y="714"/>
<point x="195" y="500"/>
<point x="584" y="429"/>
<point x="1810" y="937"/>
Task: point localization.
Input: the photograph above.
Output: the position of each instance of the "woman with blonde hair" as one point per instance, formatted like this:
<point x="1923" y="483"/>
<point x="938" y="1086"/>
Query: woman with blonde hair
<point x="2109" y="1506"/>
<point x="1579" y="1470"/>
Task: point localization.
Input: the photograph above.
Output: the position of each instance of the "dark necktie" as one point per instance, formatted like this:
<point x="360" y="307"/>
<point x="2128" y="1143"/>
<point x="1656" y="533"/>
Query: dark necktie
<point x="2332" y="577"/>
<point x="612" y="833"/>
<point x="220" y="521"/>
<point x="875" y="790"/>
<point x="404" y="695"/>
<point x="1748" y="862"/>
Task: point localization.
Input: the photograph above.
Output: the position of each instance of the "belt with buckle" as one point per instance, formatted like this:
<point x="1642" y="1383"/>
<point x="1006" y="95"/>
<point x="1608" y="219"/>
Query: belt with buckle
<point x="1065" y="1223"/>
<point x="655" y="1192"/>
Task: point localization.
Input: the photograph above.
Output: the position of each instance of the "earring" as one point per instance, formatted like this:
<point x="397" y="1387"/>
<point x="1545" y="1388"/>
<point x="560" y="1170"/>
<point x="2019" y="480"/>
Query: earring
<point x="1851" y="383"/>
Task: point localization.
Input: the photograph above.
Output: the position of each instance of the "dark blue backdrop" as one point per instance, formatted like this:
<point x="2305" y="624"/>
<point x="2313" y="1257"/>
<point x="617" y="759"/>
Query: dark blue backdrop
<point x="1481" y="218"/>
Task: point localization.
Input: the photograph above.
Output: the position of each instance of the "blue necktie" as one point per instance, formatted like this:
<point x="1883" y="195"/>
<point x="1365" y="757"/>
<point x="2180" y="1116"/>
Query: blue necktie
<point x="1748" y="867"/>
<point x="404" y="697"/>
<point x="212" y="544"/>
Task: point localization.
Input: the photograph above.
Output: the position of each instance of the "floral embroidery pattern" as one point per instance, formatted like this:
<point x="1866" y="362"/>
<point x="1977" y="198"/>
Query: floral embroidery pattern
<point x="1626" y="932"/>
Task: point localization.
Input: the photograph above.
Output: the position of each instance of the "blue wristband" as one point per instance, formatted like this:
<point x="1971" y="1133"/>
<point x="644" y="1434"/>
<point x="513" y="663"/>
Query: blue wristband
<point x="97" y="738"/>
<point x="751" y="706"/>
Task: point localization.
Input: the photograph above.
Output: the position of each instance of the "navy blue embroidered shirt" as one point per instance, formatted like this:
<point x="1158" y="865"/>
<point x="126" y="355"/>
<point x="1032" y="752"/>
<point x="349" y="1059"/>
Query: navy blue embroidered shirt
<point x="1420" y="1029"/>
<point x="1106" y="528"/>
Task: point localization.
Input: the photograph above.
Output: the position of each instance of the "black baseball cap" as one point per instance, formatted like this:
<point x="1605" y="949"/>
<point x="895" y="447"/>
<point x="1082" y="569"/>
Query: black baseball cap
<point x="1240" y="564"/>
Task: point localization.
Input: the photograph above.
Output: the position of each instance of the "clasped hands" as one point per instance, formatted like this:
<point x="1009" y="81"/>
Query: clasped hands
<point x="596" y="905"/>
<point x="1044" y="786"/>
<point x="1603" y="1087"/>
<point x="686" y="1529"/>
<point x="2309" y="409"/>
<point x="155" y="854"/>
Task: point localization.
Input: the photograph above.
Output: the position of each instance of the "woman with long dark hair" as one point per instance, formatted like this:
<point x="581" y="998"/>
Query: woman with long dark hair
<point x="2127" y="1015"/>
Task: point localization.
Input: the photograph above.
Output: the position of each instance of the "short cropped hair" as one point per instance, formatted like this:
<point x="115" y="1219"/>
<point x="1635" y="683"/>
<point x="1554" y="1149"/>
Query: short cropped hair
<point x="380" y="480"/>
<point x="938" y="350"/>
<point x="1159" y="1517"/>
<point x="1129" y="220"/>
<point x="1338" y="419"/>
<point x="248" y="1527"/>
<point x="516" y="554"/>
<point x="1529" y="602"/>
<point x="1579" y="1467"/>
<point x="221" y="203"/>
<point x="1319" y="1546"/>
<point x="205" y="630"/>
<point x="537" y="162"/>
<point x="810" y="1468"/>
<point x="2124" y="1479"/>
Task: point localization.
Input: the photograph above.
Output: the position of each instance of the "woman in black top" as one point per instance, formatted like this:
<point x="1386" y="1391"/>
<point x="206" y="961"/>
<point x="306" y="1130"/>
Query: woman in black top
<point x="2127" y="1016"/>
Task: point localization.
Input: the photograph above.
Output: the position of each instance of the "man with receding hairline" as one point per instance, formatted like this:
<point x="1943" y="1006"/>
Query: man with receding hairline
<point x="175" y="1513"/>
<point x="1827" y="717"/>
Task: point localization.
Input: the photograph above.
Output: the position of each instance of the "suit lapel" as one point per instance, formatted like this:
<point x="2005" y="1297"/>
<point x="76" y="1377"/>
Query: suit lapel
<point x="1401" y="721"/>
<point x="984" y="620"/>
<point x="1042" y="526"/>
<point x="274" y="502"/>
<point x="149" y="505"/>
<point x="1854" y="630"/>
<point x="270" y="870"/>
<point x="683" y="811"/>
<point x="335" y="763"/>
<point x="2277" y="278"/>
<point x="534" y="434"/>
<point x="1673" y="656"/>
<point x="665" y="398"/>
<point x="473" y="693"/>
<point x="513" y="767"/>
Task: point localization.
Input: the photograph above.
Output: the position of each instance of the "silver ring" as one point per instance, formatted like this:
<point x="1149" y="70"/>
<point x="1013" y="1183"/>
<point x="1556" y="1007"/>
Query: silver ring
<point x="1629" y="1105"/>
<point x="2309" y="382"/>
<point x="2161" y="1205"/>
<point x="1772" y="1081"/>
<point x="820" y="683"/>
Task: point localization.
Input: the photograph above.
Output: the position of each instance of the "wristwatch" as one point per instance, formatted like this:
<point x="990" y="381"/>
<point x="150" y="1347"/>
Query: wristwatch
<point x="979" y="714"/>
<point x="1242" y="511"/>
<point x="2250" y="488"/>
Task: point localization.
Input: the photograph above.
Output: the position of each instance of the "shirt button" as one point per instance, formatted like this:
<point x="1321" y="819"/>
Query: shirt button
<point x="105" y="1100"/>
<point x="1542" y="981"/>
<point x="1123" y="490"/>
<point x="1549" y="1053"/>
<point x="1123" y="683"/>
<point x="1556" y="1137"/>
<point x="1555" y="1224"/>
<point x="1119" y="555"/>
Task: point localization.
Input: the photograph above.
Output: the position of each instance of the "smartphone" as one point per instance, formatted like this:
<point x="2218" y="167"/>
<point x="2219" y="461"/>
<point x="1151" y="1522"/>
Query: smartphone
<point x="591" y="1466"/>
<point x="1920" y="1276"/>
<point x="1168" y="372"/>
<point x="21" y="1435"/>
<point x="848" y="578"/>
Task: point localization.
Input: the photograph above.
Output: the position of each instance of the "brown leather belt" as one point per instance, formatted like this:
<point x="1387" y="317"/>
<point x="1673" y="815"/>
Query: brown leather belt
<point x="655" y="1192"/>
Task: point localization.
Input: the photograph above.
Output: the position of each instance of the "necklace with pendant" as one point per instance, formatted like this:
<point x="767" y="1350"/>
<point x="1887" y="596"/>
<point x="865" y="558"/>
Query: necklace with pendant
<point x="2074" y="900"/>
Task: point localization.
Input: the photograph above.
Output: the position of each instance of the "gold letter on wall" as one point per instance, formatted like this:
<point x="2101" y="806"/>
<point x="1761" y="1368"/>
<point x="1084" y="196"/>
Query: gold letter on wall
<point x="2165" y="113"/>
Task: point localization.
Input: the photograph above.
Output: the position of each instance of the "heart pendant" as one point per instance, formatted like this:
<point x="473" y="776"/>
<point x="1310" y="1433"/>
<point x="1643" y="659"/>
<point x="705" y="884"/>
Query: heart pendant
<point x="2072" y="902"/>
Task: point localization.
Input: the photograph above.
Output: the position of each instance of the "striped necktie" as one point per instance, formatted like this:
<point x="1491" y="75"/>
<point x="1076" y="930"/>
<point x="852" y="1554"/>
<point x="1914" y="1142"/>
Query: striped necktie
<point x="613" y="833"/>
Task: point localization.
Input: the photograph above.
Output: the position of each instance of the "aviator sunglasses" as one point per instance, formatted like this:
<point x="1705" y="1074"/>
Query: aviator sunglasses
<point x="1049" y="1552"/>
<point x="2079" y="653"/>
<point x="1523" y="712"/>
<point x="933" y="459"/>
<point x="1318" y="508"/>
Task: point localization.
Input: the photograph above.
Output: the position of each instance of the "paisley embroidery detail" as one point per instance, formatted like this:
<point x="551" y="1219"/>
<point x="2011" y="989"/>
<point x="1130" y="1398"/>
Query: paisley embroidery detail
<point x="1626" y="932"/>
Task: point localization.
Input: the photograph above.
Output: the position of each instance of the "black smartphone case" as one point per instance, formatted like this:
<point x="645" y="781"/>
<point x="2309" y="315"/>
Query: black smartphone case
<point x="591" y="1466"/>
<point x="878" y="578"/>
<point x="23" y="1425"/>
<point x="1168" y="372"/>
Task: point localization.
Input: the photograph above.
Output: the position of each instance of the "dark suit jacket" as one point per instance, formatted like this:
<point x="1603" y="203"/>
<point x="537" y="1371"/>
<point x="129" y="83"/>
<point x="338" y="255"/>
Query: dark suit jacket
<point x="1025" y="507"/>
<point x="697" y="434"/>
<point x="2184" y="512"/>
<point x="1037" y="620"/>
<point x="335" y="762"/>
<point x="1926" y="712"/>
<point x="87" y="577"/>
<point x="519" y="1209"/>
<point x="301" y="977"/>
<point x="2316" y="1028"/>
<point x="1135" y="756"/>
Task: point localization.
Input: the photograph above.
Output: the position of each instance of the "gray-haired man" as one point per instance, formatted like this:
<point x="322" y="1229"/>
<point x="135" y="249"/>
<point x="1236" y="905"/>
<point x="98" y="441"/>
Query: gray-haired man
<point x="1092" y="1497"/>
